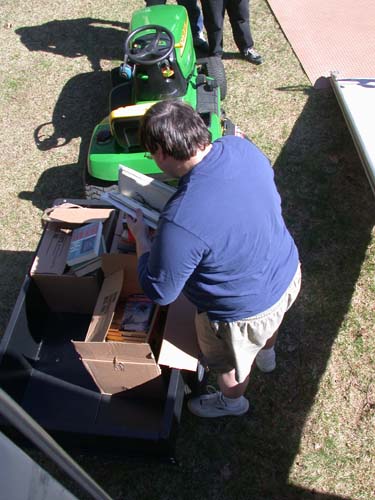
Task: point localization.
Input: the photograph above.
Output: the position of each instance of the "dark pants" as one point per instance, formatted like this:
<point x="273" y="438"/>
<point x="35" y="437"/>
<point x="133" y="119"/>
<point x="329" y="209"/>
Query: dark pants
<point x="193" y="11"/>
<point x="239" y="17"/>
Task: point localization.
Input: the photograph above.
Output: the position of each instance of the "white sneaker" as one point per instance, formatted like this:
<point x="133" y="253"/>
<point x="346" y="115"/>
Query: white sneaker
<point x="213" y="405"/>
<point x="252" y="56"/>
<point x="266" y="360"/>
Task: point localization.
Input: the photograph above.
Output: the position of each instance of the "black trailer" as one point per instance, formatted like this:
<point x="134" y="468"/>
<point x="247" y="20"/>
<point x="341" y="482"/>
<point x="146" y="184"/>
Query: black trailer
<point x="42" y="372"/>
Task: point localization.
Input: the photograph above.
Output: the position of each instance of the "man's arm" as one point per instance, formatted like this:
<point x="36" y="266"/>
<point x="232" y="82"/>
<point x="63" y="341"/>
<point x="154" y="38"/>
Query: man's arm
<point x="165" y="265"/>
<point x="140" y="232"/>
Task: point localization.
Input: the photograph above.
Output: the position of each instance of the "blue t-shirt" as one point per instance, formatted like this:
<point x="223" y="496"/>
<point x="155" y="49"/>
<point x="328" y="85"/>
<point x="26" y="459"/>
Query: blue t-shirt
<point x="221" y="239"/>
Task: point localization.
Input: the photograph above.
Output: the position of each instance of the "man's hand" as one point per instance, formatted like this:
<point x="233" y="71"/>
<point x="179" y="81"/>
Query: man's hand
<point x="140" y="232"/>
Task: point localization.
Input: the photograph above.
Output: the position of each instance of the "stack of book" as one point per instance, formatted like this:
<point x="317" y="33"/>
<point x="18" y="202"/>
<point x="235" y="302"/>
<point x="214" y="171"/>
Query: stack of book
<point x="86" y="246"/>
<point x="139" y="191"/>
<point x="132" y="319"/>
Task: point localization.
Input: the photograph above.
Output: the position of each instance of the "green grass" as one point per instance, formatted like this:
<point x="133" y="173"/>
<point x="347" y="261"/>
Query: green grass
<point x="311" y="434"/>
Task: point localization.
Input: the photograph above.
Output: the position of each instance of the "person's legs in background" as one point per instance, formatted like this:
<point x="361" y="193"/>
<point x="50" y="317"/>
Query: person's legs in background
<point x="149" y="3"/>
<point x="213" y="18"/>
<point x="200" y="22"/>
<point x="196" y="23"/>
<point x="195" y="20"/>
<point x="239" y="17"/>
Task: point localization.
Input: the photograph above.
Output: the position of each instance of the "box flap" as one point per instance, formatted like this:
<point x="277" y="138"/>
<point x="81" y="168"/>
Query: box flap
<point x="111" y="381"/>
<point x="70" y="215"/>
<point x="127" y="263"/>
<point x="52" y="251"/>
<point x="114" y="352"/>
<point x="104" y="307"/>
<point x="179" y="348"/>
<point x="118" y="366"/>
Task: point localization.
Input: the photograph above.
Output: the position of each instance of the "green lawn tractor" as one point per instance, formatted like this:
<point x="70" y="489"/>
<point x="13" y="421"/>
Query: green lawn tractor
<point x="159" y="63"/>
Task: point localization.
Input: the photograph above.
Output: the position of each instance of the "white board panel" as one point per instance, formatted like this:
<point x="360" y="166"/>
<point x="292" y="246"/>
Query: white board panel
<point x="357" y="101"/>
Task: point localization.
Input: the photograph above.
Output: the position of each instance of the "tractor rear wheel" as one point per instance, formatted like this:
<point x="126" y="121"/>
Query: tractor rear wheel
<point x="94" y="188"/>
<point x="216" y="70"/>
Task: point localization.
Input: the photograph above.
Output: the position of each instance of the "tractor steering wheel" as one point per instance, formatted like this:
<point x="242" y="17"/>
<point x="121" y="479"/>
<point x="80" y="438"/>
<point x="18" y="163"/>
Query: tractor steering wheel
<point x="147" y="49"/>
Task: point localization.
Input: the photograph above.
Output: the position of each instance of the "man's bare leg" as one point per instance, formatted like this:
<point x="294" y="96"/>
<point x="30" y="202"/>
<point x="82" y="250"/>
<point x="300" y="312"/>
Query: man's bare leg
<point x="229" y="385"/>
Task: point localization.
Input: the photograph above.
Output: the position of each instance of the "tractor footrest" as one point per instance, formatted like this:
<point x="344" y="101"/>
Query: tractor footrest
<point x="208" y="97"/>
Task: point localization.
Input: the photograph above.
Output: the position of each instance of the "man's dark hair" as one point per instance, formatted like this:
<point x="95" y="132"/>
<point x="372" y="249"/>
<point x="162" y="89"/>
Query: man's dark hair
<point x="176" y="127"/>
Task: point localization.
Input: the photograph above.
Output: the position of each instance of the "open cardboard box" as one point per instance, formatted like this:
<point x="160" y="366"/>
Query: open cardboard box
<point x="66" y="292"/>
<point x="134" y="367"/>
<point x="41" y="370"/>
<point x="71" y="215"/>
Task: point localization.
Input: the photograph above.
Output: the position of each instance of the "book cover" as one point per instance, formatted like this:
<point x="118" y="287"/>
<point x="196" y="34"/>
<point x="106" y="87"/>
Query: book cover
<point x="143" y="188"/>
<point x="129" y="206"/>
<point x="137" y="314"/>
<point x="140" y="191"/>
<point x="85" y="243"/>
<point x="91" y="265"/>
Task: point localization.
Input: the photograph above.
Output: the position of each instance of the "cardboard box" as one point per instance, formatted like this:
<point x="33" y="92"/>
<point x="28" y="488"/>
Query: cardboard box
<point x="52" y="251"/>
<point x="71" y="215"/>
<point x="134" y="367"/>
<point x="179" y="346"/>
<point x="65" y="292"/>
<point x="118" y="232"/>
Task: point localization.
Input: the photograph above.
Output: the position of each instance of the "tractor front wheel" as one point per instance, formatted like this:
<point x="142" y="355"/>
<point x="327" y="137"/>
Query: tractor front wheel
<point x="216" y="70"/>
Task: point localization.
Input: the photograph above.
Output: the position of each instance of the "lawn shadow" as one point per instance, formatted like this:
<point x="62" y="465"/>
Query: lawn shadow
<point x="82" y="104"/>
<point x="83" y="101"/>
<point x="329" y="208"/>
<point x="97" y="39"/>
<point x="231" y="55"/>
<point x="13" y="267"/>
<point x="62" y="181"/>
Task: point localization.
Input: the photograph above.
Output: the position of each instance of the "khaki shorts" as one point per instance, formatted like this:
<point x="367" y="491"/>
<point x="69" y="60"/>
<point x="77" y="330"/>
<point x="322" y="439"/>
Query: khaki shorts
<point x="234" y="345"/>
